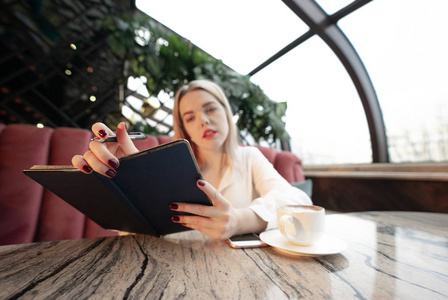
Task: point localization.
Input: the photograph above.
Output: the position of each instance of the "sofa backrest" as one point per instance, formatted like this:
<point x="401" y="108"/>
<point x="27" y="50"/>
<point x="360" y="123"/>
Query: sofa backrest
<point x="286" y="163"/>
<point x="30" y="213"/>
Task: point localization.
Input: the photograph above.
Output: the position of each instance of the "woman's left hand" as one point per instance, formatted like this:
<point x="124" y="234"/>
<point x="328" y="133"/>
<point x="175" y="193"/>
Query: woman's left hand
<point x="219" y="221"/>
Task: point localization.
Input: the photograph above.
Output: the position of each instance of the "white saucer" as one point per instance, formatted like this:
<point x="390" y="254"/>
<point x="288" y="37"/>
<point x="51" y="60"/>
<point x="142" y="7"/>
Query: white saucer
<point x="325" y="246"/>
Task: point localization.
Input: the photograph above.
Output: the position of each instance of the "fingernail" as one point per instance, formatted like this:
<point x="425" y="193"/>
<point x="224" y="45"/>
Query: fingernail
<point x="201" y="182"/>
<point x="87" y="169"/>
<point x="102" y="133"/>
<point x="113" y="163"/>
<point x="174" y="206"/>
<point x="175" y="219"/>
<point x="111" y="173"/>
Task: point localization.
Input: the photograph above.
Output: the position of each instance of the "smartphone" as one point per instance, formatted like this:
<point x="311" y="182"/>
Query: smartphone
<point x="250" y="240"/>
<point x="113" y="138"/>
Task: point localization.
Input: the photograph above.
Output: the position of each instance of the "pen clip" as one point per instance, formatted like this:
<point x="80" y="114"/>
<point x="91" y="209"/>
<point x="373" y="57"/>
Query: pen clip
<point x="113" y="138"/>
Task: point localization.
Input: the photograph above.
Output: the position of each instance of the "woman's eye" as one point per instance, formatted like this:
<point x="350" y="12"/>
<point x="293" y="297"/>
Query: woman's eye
<point x="211" y="109"/>
<point x="189" y="119"/>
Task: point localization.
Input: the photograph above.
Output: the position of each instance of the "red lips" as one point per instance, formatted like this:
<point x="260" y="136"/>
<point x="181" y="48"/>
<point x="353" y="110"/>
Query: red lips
<point x="208" y="134"/>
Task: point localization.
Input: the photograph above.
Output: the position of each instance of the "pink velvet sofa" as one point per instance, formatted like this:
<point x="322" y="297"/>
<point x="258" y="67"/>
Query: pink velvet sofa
<point x="30" y="213"/>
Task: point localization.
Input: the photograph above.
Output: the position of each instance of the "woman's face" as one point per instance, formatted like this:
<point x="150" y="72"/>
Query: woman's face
<point x="204" y="120"/>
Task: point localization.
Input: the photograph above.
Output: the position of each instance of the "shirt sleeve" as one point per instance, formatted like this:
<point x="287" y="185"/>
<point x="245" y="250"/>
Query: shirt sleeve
<point x="272" y="188"/>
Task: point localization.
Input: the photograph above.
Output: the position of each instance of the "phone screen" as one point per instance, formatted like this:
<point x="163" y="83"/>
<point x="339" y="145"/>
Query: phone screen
<point x="250" y="240"/>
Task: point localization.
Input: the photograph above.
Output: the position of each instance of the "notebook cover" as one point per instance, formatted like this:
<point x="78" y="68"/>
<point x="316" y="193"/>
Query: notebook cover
<point x="137" y="199"/>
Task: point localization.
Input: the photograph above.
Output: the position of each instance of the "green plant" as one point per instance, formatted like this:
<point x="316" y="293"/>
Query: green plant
<point x="168" y="61"/>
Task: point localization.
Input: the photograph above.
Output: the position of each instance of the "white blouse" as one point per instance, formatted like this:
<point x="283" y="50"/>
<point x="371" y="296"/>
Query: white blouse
<point x="253" y="182"/>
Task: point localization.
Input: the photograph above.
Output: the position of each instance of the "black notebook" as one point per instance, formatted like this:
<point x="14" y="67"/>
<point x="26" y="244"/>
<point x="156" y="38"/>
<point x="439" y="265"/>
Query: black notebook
<point x="138" y="198"/>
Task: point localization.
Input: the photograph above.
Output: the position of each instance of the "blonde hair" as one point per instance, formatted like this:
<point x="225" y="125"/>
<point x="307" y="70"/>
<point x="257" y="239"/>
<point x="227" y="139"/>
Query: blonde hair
<point x="231" y="142"/>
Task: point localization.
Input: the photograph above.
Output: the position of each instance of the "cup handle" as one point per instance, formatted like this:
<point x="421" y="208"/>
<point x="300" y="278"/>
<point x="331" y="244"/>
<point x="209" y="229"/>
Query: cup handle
<point x="285" y="219"/>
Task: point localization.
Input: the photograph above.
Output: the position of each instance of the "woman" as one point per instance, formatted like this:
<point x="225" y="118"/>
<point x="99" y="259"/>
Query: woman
<point x="243" y="185"/>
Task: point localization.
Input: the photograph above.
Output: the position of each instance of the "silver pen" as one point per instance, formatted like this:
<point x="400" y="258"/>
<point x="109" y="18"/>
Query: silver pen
<point x="113" y="138"/>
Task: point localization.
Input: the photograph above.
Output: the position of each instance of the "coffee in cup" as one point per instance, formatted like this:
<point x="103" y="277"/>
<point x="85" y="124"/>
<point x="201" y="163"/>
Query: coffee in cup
<point x="302" y="225"/>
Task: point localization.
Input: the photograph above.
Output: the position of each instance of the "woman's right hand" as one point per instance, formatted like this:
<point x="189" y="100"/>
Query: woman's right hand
<point x="103" y="157"/>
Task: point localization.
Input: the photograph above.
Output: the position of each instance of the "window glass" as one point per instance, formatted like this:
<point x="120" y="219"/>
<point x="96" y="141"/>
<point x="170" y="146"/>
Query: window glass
<point x="243" y="34"/>
<point x="332" y="6"/>
<point x="325" y="118"/>
<point x="405" y="53"/>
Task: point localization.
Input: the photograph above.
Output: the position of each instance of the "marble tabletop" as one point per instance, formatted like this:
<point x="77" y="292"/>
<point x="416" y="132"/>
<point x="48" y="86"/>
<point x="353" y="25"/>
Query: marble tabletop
<point x="390" y="255"/>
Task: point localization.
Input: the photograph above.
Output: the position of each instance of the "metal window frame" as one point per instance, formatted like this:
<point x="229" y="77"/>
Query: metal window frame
<point x="324" y="25"/>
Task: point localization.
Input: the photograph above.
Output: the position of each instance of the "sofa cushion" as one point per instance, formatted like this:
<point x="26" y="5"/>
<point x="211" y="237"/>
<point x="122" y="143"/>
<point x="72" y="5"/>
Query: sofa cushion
<point x="286" y="163"/>
<point x="30" y="214"/>
<point x="20" y="197"/>
<point x="58" y="220"/>
<point x="149" y="142"/>
<point x="289" y="166"/>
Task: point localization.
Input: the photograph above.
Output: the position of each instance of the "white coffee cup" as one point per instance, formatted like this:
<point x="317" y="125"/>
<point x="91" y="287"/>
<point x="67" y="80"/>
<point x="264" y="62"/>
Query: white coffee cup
<point x="302" y="225"/>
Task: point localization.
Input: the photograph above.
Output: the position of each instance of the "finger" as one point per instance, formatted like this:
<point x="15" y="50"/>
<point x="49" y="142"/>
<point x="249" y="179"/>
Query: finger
<point x="213" y="233"/>
<point x="213" y="194"/>
<point x="124" y="140"/>
<point x="101" y="152"/>
<point x="79" y="163"/>
<point x="98" y="166"/>
<point x="195" y="209"/>
<point x="101" y="131"/>
<point x="196" y="221"/>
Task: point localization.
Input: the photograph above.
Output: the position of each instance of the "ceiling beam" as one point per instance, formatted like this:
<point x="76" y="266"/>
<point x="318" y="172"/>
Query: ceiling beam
<point x="323" y="25"/>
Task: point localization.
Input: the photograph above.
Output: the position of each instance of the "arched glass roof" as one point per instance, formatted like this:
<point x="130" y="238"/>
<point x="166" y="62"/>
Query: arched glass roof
<point x="334" y="114"/>
<point x="364" y="81"/>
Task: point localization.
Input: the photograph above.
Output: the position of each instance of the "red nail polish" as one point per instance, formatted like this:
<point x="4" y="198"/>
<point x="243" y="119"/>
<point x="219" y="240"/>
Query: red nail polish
<point x="113" y="163"/>
<point x="87" y="169"/>
<point x="174" y="206"/>
<point x="102" y="133"/>
<point x="201" y="182"/>
<point x="111" y="173"/>
<point x="175" y="219"/>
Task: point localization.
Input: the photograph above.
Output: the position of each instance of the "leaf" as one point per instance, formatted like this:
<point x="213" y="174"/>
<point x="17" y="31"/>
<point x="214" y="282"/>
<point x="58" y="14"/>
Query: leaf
<point x="168" y="60"/>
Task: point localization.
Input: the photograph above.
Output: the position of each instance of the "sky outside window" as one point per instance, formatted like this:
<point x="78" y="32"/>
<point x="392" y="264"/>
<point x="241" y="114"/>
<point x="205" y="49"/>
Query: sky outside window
<point x="402" y="44"/>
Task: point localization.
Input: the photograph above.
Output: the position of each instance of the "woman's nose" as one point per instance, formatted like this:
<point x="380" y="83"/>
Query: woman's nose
<point x="204" y="120"/>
